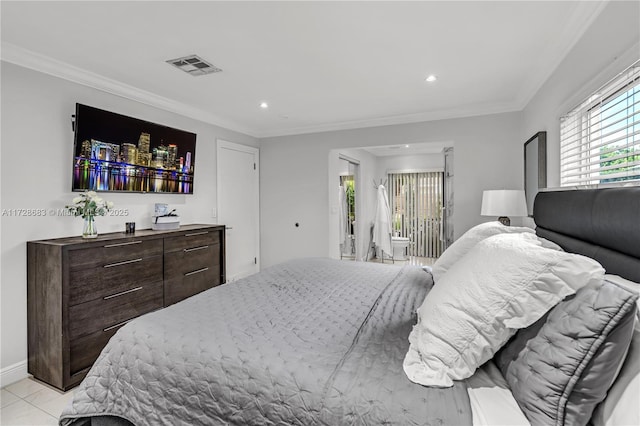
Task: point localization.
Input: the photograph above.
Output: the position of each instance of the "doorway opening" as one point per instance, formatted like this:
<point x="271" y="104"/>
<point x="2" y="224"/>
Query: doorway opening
<point x="376" y="164"/>
<point x="347" y="215"/>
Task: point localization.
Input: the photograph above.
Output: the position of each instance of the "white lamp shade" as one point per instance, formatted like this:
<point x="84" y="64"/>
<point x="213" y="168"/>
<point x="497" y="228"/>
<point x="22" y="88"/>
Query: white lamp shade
<point x="503" y="202"/>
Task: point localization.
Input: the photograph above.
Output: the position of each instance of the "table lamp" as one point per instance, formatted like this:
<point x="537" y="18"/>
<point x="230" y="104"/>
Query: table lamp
<point x="503" y="203"/>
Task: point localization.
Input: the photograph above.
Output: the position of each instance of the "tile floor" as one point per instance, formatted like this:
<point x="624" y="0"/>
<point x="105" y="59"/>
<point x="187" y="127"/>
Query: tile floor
<point x="29" y="402"/>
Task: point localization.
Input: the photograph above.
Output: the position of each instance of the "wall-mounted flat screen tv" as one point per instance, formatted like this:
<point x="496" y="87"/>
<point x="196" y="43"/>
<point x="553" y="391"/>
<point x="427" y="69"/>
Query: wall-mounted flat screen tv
<point x="114" y="153"/>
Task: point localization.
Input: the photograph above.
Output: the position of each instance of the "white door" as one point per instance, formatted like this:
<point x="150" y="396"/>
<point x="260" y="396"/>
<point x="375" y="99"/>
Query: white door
<point x="238" y="207"/>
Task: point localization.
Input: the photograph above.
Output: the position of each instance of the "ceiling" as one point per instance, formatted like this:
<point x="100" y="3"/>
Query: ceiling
<point x="319" y="65"/>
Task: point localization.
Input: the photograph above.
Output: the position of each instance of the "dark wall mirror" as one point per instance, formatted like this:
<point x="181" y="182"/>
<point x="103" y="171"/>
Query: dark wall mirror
<point x="535" y="167"/>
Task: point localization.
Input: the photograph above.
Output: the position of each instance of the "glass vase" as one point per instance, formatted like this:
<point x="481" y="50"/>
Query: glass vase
<point x="90" y="229"/>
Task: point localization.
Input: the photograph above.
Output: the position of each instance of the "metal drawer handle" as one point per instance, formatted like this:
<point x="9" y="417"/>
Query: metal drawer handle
<point x="116" y="325"/>
<point x="195" y="248"/>
<point x="196" y="233"/>
<point x="196" y="272"/>
<point x="123" y="244"/>
<point x="110" y="265"/>
<point x="122" y="293"/>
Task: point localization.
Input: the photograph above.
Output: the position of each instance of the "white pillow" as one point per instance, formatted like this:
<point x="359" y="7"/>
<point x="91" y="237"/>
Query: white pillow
<point x="620" y="407"/>
<point x="549" y="244"/>
<point x="504" y="283"/>
<point x="469" y="239"/>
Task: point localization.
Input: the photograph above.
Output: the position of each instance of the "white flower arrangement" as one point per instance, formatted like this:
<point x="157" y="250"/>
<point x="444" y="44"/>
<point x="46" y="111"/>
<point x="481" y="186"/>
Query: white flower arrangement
<point x="89" y="205"/>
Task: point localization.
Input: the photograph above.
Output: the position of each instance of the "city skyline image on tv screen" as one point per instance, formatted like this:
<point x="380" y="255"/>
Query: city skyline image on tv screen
<point x="114" y="152"/>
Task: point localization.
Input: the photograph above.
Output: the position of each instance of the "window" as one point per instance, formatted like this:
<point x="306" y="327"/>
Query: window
<point x="600" y="139"/>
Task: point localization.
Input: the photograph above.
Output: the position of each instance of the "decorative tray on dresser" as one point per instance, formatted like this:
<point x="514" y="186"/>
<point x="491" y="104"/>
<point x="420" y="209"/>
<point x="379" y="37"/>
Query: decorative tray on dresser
<point x="80" y="291"/>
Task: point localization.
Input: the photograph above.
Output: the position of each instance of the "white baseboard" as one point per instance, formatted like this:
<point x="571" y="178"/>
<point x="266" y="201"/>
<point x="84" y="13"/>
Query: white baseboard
<point x="13" y="373"/>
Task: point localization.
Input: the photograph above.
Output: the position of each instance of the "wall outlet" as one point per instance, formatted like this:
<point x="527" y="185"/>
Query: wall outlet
<point x="214" y="212"/>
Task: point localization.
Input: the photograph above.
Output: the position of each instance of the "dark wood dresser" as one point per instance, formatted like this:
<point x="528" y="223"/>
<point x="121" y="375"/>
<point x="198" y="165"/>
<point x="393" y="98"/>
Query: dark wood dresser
<point x="81" y="291"/>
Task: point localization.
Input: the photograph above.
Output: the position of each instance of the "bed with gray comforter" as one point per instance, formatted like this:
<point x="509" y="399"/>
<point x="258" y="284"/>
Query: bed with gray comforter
<point x="308" y="342"/>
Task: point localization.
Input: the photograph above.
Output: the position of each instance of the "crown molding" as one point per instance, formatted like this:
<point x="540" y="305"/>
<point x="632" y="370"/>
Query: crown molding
<point x="47" y="65"/>
<point x="585" y="14"/>
<point x="11" y="53"/>
<point x="451" y="114"/>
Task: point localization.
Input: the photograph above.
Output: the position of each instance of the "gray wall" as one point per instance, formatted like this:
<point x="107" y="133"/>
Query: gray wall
<point x="295" y="170"/>
<point x="37" y="151"/>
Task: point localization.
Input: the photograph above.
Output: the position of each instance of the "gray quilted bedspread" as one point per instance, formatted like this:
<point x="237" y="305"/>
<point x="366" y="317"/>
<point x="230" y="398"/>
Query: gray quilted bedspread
<point x="307" y="342"/>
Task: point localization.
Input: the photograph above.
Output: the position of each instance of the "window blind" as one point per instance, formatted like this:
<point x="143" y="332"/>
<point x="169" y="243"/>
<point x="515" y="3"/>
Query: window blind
<point x="416" y="206"/>
<point x="600" y="139"/>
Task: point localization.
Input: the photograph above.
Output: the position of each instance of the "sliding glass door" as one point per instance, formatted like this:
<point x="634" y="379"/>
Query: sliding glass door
<point x="416" y="206"/>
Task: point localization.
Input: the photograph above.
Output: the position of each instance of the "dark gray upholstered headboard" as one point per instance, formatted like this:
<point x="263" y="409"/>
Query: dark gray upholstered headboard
<point x="603" y="224"/>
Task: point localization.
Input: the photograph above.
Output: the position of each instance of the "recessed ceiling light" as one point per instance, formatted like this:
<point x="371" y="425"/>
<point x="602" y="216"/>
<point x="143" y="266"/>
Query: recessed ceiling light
<point x="406" y="146"/>
<point x="431" y="78"/>
<point x="264" y="105"/>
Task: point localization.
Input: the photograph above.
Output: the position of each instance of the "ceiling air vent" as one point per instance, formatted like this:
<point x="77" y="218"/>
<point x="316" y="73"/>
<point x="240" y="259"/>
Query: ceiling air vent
<point x="194" y="65"/>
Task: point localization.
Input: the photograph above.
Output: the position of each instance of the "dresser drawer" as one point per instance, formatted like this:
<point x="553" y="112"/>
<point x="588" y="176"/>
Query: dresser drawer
<point x="100" y="281"/>
<point x="187" y="260"/>
<point x="83" y="351"/>
<point x="101" y="314"/>
<point x="186" y="284"/>
<point x="191" y="240"/>
<point x="114" y="251"/>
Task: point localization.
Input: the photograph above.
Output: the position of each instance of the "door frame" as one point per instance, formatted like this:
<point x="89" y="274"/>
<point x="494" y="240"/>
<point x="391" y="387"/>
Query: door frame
<point x="223" y="144"/>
